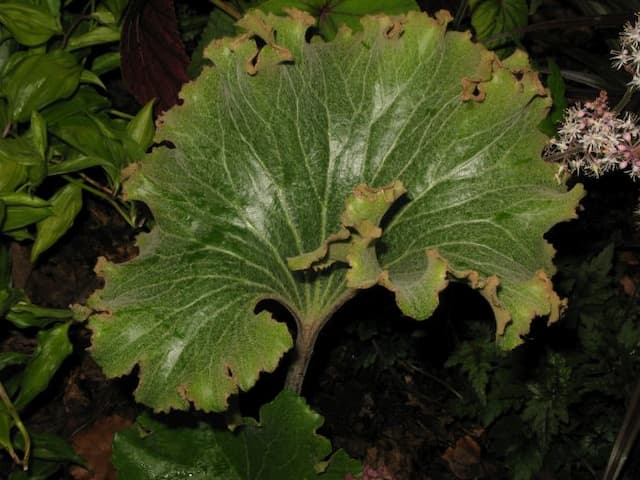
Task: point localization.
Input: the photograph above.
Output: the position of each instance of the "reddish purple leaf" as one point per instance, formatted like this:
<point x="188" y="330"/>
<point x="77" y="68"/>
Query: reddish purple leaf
<point x="154" y="61"/>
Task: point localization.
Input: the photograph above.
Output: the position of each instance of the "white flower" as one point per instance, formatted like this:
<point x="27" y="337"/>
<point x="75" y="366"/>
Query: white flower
<point x="628" y="57"/>
<point x="593" y="140"/>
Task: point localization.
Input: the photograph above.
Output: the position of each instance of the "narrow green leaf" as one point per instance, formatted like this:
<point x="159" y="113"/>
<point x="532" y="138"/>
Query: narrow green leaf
<point x="284" y="445"/>
<point x="105" y="63"/>
<point x="53" y="347"/>
<point x="38" y="131"/>
<point x="65" y="204"/>
<point x="141" y="128"/>
<point x="20" y="216"/>
<point x="39" y="80"/>
<point x="23" y="199"/>
<point x="30" y="25"/>
<point x="12" y="358"/>
<point x="89" y="77"/>
<point x="97" y="36"/>
<point x="26" y="315"/>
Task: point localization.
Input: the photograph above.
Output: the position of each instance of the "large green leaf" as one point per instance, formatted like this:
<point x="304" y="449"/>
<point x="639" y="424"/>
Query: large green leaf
<point x="263" y="152"/>
<point x="284" y="445"/>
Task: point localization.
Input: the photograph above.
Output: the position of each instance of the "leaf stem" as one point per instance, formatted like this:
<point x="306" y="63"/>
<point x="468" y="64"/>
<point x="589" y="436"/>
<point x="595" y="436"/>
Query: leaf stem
<point x="4" y="396"/>
<point x="228" y="9"/>
<point x="108" y="198"/>
<point x="462" y="8"/>
<point x="628" y="93"/>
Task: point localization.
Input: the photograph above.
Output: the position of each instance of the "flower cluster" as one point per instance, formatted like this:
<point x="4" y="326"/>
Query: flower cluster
<point x="594" y="139"/>
<point x="628" y="57"/>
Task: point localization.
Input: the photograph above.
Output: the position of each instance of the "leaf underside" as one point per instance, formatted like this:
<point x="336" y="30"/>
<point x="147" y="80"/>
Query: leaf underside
<point x="267" y="146"/>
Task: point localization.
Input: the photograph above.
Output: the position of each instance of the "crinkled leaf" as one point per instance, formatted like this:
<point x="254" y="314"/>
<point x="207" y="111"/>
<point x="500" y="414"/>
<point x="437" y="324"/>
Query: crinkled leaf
<point x="284" y="445"/>
<point x="331" y="14"/>
<point x="268" y="145"/>
<point x="154" y="61"/>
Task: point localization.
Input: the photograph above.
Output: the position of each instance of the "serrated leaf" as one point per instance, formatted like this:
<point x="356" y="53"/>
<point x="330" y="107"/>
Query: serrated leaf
<point x="265" y="154"/>
<point x="284" y="445"/>
<point x="332" y="14"/>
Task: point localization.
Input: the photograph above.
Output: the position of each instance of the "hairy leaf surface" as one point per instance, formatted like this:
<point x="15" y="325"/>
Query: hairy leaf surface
<point x="283" y="445"/>
<point x="266" y="148"/>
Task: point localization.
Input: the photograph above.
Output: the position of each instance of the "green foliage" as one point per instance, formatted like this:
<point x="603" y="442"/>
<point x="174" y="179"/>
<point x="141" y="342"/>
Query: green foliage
<point x="24" y="376"/>
<point x="496" y="21"/>
<point x="283" y="445"/>
<point x="55" y="119"/>
<point x="570" y="400"/>
<point x="265" y="155"/>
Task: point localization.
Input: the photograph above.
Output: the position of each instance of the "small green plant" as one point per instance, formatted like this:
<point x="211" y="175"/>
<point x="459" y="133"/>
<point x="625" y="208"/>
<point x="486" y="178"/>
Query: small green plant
<point x="55" y="120"/>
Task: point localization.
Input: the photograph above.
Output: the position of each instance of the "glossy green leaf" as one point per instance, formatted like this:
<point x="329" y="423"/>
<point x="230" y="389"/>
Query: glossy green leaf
<point x="23" y="199"/>
<point x="141" y="128"/>
<point x="105" y="63"/>
<point x="89" y="135"/>
<point x="97" y="36"/>
<point x="53" y="347"/>
<point x="26" y="315"/>
<point x="90" y="78"/>
<point x="12" y="358"/>
<point x="264" y="154"/>
<point x="20" y="216"/>
<point x="117" y="7"/>
<point x="38" y="131"/>
<point x="12" y="174"/>
<point x="284" y="445"/>
<point x="31" y="25"/>
<point x="39" y="80"/>
<point x="495" y="21"/>
<point x="66" y="203"/>
<point x="331" y="14"/>
<point x="84" y="100"/>
<point x="77" y="163"/>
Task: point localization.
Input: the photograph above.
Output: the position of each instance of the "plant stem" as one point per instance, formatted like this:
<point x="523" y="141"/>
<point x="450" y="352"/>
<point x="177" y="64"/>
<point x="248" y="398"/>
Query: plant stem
<point x="4" y="396"/>
<point x="628" y="93"/>
<point x="228" y="9"/>
<point x="305" y="342"/>
<point x="462" y="7"/>
<point x="108" y="198"/>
